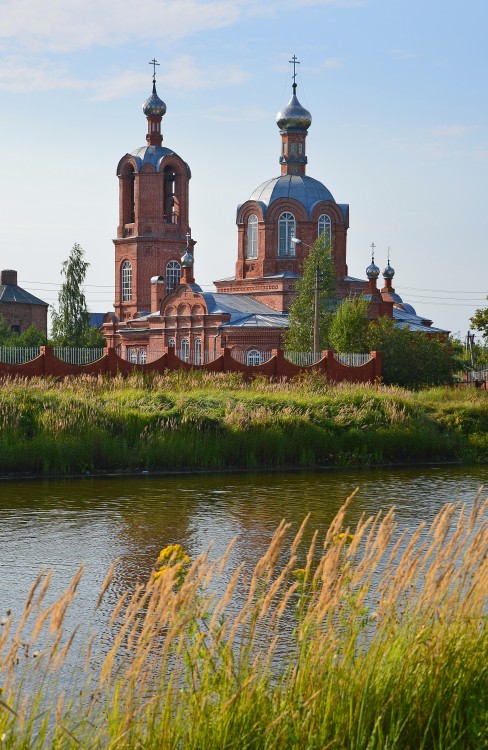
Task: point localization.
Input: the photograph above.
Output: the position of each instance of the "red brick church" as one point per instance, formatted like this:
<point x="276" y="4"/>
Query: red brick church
<point x="158" y="304"/>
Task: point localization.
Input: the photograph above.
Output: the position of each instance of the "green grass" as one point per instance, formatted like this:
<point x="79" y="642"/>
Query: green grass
<point x="358" y="641"/>
<point x="202" y="421"/>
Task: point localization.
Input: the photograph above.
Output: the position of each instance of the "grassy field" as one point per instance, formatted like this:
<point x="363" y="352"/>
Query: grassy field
<point x="201" y="421"/>
<point x="359" y="641"/>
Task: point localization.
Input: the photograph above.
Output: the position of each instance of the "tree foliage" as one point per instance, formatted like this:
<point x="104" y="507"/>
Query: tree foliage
<point x="32" y="336"/>
<point x="299" y="337"/>
<point x="71" y="322"/>
<point x="350" y="327"/>
<point x="412" y="359"/>
<point x="480" y="321"/>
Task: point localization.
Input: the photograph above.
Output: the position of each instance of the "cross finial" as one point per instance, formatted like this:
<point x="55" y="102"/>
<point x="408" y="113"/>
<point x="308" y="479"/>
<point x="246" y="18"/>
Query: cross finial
<point x="295" y="62"/>
<point x="154" y="62"/>
<point x="188" y="238"/>
<point x="372" y="251"/>
<point x="389" y="255"/>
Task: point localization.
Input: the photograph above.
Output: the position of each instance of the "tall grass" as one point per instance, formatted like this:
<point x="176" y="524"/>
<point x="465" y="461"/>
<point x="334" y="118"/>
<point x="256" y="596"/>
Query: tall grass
<point x="358" y="640"/>
<point x="206" y="421"/>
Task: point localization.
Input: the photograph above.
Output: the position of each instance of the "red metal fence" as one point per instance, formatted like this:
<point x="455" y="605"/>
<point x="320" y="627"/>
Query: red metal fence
<point x="47" y="364"/>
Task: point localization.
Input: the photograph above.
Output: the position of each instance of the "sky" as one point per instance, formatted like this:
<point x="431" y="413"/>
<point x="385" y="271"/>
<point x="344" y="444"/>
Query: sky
<point x="397" y="92"/>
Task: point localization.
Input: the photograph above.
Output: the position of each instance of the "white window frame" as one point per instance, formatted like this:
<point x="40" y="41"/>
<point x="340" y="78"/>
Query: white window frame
<point x="286" y="230"/>
<point x="185" y="350"/>
<point x="254" y="357"/>
<point x="252" y="237"/>
<point x="126" y="281"/>
<point x="173" y="275"/>
<point x="198" y="351"/>
<point x="324" y="227"/>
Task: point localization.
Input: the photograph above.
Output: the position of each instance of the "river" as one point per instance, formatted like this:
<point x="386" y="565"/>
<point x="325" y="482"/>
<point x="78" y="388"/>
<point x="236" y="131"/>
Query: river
<point x="61" y="525"/>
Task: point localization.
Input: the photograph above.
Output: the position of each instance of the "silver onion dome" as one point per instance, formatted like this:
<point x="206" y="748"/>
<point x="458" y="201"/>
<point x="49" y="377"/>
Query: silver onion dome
<point x="389" y="272"/>
<point x="154" y="106"/>
<point x="294" y="116"/>
<point x="187" y="260"/>
<point x="372" y="271"/>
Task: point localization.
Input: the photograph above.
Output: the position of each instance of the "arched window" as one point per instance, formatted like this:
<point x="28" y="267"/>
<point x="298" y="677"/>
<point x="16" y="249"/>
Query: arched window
<point x="126" y="281"/>
<point x="185" y="350"/>
<point x="132" y="355"/>
<point x="286" y="230"/>
<point x="142" y="356"/>
<point x="198" y="351"/>
<point x="172" y="342"/>
<point x="252" y="237"/>
<point x="173" y="274"/>
<point x="325" y="227"/>
<point x="253" y="357"/>
<point x="170" y="201"/>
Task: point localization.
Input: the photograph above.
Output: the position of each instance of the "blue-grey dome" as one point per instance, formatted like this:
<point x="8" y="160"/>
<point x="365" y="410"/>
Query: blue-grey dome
<point x="294" y="116"/>
<point x="153" y="155"/>
<point x="154" y="106"/>
<point x="389" y="272"/>
<point x="301" y="188"/>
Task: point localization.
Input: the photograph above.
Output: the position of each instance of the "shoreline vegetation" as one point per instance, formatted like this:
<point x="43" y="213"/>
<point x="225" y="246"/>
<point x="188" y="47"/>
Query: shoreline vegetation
<point x="193" y="421"/>
<point x="351" y="639"/>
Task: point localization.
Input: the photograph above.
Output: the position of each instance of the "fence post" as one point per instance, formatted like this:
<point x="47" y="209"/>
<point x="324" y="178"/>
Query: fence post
<point x="376" y="357"/>
<point x="227" y="360"/>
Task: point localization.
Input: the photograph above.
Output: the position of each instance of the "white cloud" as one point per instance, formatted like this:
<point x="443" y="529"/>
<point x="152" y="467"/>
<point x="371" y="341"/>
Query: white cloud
<point x="21" y="74"/>
<point x="452" y="130"/>
<point x="67" y="25"/>
<point x="405" y="54"/>
<point x="225" y="113"/>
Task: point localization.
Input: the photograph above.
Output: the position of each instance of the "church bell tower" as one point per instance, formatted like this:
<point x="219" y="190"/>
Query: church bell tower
<point x="153" y="217"/>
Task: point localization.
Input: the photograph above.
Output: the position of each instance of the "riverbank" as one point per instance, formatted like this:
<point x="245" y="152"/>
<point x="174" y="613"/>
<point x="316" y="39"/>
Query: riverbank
<point x="207" y="422"/>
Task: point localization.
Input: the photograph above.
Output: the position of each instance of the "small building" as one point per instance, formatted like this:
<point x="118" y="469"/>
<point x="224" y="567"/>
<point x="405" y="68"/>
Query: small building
<point x="19" y="308"/>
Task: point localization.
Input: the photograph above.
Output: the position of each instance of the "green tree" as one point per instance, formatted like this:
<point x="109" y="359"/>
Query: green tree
<point x="30" y="337"/>
<point x="480" y="321"/>
<point x="349" y="327"/>
<point x="299" y="337"/>
<point x="412" y="359"/>
<point x="71" y="322"/>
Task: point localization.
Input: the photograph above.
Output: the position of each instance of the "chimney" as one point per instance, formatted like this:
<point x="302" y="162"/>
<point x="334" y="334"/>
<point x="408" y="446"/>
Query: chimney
<point x="8" y="277"/>
<point x="157" y="293"/>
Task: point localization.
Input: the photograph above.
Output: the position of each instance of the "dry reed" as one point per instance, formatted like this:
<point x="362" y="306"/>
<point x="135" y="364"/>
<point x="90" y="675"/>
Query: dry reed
<point x="377" y="642"/>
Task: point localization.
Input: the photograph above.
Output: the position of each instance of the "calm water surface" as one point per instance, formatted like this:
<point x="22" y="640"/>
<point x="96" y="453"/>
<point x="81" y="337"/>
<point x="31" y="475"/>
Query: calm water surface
<point x="63" y="524"/>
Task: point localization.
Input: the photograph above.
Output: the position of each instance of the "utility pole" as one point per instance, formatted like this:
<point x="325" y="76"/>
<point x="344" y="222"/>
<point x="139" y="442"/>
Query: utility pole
<point x="316" y="311"/>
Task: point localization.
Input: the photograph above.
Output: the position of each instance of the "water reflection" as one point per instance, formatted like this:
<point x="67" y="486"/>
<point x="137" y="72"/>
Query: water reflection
<point x="63" y="524"/>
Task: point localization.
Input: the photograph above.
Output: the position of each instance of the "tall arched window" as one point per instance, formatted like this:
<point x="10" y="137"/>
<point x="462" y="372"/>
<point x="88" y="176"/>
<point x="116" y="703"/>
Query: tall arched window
<point x="173" y="274"/>
<point x="286" y="230"/>
<point x="253" y="357"/>
<point x="252" y="237"/>
<point x="185" y="350"/>
<point x="198" y="351"/>
<point x="126" y="281"/>
<point x="170" y="202"/>
<point x="325" y="227"/>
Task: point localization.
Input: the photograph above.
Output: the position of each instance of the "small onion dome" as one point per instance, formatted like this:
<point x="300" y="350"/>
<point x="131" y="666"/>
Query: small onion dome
<point x="372" y="271"/>
<point x="154" y="106"/>
<point x="187" y="260"/>
<point x="389" y="272"/>
<point x="294" y="116"/>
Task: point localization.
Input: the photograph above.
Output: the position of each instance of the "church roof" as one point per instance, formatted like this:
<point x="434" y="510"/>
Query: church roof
<point x="13" y="293"/>
<point x="302" y="188"/>
<point x="238" y="306"/>
<point x="405" y="319"/>
<point x="153" y="155"/>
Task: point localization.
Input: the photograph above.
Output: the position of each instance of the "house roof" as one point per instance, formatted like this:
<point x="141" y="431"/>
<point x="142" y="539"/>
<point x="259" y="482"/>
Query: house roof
<point x="14" y="293"/>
